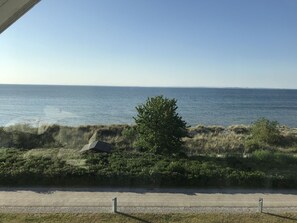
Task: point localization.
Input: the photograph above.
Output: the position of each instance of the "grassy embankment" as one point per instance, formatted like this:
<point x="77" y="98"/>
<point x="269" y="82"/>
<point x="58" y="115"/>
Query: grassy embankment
<point x="149" y="218"/>
<point x="50" y="156"/>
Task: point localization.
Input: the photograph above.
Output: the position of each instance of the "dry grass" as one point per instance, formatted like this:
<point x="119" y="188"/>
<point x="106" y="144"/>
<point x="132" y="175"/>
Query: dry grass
<point x="203" y="140"/>
<point x="231" y="140"/>
<point x="153" y="218"/>
<point x="216" y="140"/>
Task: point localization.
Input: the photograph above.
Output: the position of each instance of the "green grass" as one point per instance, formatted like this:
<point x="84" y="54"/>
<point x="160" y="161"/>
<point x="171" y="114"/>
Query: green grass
<point x="152" y="218"/>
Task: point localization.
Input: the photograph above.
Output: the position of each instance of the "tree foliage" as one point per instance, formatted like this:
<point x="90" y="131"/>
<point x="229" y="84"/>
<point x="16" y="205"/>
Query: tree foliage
<point x="160" y="128"/>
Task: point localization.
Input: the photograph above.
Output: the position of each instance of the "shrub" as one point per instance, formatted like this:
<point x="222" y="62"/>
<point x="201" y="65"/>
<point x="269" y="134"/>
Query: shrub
<point x="263" y="133"/>
<point x="136" y="169"/>
<point x="263" y="155"/>
<point x="275" y="157"/>
<point x="130" y="135"/>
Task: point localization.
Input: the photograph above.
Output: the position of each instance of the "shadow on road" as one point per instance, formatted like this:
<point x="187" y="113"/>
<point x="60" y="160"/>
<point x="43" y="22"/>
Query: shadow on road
<point x="281" y="216"/>
<point x="187" y="191"/>
<point x="133" y="217"/>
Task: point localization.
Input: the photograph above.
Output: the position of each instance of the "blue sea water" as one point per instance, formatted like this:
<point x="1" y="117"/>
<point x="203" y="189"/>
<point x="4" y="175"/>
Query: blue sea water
<point x="82" y="105"/>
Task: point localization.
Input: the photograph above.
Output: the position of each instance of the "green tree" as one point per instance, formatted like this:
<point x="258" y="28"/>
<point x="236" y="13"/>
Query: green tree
<point x="160" y="128"/>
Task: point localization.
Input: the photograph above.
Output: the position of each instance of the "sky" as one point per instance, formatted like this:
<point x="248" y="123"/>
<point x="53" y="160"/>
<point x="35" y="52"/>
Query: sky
<point x="168" y="43"/>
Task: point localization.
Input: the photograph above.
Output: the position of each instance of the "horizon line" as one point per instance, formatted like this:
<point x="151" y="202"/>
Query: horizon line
<point x="138" y="86"/>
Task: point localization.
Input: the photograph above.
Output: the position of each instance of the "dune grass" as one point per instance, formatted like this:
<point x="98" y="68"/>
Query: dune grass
<point x="215" y="143"/>
<point x="203" y="139"/>
<point x="152" y="218"/>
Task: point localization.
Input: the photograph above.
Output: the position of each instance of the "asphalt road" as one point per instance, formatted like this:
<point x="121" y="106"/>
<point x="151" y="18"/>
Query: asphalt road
<point x="144" y="200"/>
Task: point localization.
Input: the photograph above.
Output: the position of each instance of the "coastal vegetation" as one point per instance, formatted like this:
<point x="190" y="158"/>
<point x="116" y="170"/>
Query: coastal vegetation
<point x="68" y="167"/>
<point x="210" y="140"/>
<point x="159" y="151"/>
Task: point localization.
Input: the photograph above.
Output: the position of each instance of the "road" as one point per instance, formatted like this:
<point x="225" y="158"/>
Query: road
<point x="144" y="200"/>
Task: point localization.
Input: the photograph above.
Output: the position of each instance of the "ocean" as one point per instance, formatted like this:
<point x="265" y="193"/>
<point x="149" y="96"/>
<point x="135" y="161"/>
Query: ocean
<point x="92" y="105"/>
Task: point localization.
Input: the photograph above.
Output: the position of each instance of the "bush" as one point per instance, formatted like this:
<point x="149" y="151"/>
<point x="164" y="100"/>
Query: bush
<point x="130" y="135"/>
<point x="136" y="169"/>
<point x="264" y="133"/>
<point x="159" y="127"/>
<point x="263" y="155"/>
<point x="252" y="145"/>
<point x="274" y="157"/>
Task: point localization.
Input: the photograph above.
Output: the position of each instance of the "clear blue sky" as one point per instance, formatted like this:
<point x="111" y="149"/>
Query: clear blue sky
<point x="218" y="43"/>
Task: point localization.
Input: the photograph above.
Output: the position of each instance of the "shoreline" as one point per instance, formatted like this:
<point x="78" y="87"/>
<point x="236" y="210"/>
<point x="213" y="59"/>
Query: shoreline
<point x="153" y="87"/>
